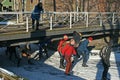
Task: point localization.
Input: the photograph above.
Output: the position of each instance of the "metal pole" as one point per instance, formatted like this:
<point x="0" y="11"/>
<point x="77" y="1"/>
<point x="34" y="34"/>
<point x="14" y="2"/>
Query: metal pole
<point x="51" y="22"/>
<point x="74" y="16"/>
<point x="100" y="19"/>
<point x="113" y="18"/>
<point x="87" y="19"/>
<point x="77" y="16"/>
<point x="17" y="19"/>
<point x="70" y="20"/>
<point x="26" y="24"/>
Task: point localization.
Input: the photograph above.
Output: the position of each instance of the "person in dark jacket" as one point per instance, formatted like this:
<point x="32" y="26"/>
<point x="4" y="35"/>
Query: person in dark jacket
<point x="105" y="58"/>
<point x="60" y="46"/>
<point x="83" y="50"/>
<point x="29" y="51"/>
<point x="10" y="51"/>
<point x="77" y="37"/>
<point x="36" y="15"/>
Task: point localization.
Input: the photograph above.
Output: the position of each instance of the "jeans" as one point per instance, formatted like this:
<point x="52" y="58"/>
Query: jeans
<point x="85" y="56"/>
<point x="33" y="24"/>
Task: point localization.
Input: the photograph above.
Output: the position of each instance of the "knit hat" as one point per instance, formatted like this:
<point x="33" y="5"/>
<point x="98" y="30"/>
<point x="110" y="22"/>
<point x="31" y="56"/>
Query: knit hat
<point x="65" y="37"/>
<point x="90" y="38"/>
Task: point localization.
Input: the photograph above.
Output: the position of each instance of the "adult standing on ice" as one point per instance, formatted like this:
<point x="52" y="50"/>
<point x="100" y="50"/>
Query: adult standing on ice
<point x="68" y="51"/>
<point x="105" y="58"/>
<point x="60" y="46"/>
<point x="77" y="37"/>
<point x="83" y="50"/>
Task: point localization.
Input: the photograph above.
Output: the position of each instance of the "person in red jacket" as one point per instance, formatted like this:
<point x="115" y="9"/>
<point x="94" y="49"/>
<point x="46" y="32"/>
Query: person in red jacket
<point x="68" y="51"/>
<point x="61" y="44"/>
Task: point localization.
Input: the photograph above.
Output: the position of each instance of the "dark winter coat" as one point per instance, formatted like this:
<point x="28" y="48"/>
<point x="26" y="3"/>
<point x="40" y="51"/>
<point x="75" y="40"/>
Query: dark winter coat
<point x="77" y="37"/>
<point x="36" y="12"/>
<point x="105" y="55"/>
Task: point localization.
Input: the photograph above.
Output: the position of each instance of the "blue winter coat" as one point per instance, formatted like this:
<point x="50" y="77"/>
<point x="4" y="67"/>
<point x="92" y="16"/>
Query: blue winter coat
<point x="82" y="48"/>
<point x="36" y="13"/>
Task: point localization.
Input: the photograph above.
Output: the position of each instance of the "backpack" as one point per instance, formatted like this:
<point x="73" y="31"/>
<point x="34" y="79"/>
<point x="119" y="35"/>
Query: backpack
<point x="105" y="54"/>
<point x="77" y="37"/>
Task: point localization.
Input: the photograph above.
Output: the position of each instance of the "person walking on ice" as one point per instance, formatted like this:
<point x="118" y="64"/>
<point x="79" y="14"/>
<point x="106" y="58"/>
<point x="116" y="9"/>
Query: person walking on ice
<point x="83" y="50"/>
<point x="105" y="58"/>
<point x="61" y="44"/>
<point x="68" y="51"/>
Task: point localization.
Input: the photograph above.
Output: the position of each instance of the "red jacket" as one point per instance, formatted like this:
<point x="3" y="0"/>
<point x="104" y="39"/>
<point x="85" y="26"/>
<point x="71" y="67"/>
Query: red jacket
<point x="68" y="50"/>
<point x="60" y="45"/>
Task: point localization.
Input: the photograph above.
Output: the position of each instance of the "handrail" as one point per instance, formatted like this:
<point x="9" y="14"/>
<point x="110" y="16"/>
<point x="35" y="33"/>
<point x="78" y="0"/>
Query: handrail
<point x="28" y="12"/>
<point x="84" y="17"/>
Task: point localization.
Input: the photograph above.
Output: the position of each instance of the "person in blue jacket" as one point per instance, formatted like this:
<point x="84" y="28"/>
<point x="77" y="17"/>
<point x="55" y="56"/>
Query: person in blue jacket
<point x="83" y="50"/>
<point x="36" y="15"/>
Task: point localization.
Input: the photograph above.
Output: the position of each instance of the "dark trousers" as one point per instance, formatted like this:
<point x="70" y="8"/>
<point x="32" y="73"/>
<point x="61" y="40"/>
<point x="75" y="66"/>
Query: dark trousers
<point x="105" y="71"/>
<point x="33" y="24"/>
<point x="61" y="60"/>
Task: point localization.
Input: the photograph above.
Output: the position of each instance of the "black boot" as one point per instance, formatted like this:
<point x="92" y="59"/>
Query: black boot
<point x="62" y="67"/>
<point x="84" y="65"/>
<point x="61" y="64"/>
<point x="104" y="78"/>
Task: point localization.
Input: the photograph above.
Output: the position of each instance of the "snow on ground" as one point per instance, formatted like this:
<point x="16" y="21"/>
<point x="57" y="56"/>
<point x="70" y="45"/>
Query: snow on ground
<point x="48" y="69"/>
<point x="7" y="23"/>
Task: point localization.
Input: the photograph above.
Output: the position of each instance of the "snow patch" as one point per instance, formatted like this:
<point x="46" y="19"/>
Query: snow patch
<point x="7" y="23"/>
<point x="7" y="72"/>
